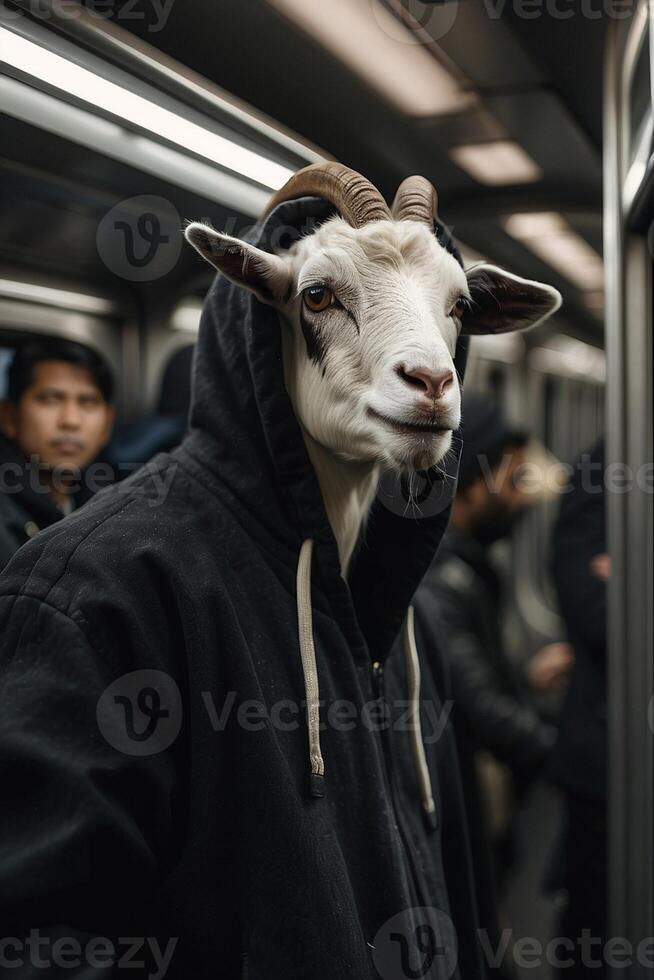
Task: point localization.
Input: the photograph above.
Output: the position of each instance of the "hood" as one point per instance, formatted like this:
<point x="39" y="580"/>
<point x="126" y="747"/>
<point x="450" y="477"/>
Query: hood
<point x="258" y="453"/>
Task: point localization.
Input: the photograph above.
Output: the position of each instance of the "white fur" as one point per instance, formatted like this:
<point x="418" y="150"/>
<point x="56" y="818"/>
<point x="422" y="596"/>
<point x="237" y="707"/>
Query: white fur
<point x="396" y="281"/>
<point x="397" y="286"/>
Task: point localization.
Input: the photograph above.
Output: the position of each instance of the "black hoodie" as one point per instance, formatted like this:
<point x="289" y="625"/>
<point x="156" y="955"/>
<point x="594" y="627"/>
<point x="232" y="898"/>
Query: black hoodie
<point x="154" y="742"/>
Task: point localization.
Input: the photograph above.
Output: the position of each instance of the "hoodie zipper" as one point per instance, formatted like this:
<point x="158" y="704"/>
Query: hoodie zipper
<point x="388" y="768"/>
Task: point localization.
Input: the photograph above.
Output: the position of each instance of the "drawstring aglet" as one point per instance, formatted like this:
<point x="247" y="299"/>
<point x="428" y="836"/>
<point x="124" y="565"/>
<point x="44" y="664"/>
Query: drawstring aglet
<point x="430" y="815"/>
<point x="309" y="669"/>
<point x="316" y="785"/>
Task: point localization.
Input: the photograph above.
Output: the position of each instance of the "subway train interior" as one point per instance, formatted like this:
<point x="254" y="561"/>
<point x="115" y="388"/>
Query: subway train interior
<point x="121" y="122"/>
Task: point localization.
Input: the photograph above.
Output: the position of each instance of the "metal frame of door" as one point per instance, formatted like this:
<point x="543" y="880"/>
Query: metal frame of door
<point x="628" y="217"/>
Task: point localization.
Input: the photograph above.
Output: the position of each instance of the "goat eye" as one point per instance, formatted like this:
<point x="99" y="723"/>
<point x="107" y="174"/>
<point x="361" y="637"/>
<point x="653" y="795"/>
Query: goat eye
<point x="459" y="308"/>
<point x="318" y="298"/>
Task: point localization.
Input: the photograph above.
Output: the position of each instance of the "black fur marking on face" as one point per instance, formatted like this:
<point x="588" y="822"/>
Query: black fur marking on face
<point x="316" y="348"/>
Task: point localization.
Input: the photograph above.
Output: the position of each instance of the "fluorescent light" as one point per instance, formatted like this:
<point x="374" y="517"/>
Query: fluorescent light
<point x="571" y="358"/>
<point x="86" y="127"/>
<point x="496" y="163"/>
<point x="187" y="317"/>
<point x="47" y="296"/>
<point x="64" y="75"/>
<point x="510" y="347"/>
<point x="535" y="225"/>
<point x="549" y="236"/>
<point x="379" y="48"/>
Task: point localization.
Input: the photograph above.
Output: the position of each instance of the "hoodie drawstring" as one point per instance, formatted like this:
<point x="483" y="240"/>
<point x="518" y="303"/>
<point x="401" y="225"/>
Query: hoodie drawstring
<point x="312" y="689"/>
<point x="419" y="756"/>
<point x="309" y="668"/>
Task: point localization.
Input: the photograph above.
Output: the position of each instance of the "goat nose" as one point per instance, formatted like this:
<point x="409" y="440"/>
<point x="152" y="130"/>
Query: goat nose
<point x="427" y="383"/>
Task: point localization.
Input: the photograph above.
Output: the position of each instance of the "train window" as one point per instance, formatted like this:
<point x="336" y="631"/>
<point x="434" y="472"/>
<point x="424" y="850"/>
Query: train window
<point x="6" y="353"/>
<point x="640" y="95"/>
<point x="637" y="124"/>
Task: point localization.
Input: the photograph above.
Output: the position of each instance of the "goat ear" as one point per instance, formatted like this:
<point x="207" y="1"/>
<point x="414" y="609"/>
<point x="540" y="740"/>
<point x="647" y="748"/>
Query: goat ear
<point x="266" y="275"/>
<point x="500" y="301"/>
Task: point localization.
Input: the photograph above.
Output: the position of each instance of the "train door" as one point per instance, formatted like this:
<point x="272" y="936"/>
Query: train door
<point x="628" y="237"/>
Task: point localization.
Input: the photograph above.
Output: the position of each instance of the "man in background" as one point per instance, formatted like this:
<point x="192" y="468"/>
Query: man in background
<point x="461" y="602"/>
<point x="581" y="569"/>
<point x="56" y="419"/>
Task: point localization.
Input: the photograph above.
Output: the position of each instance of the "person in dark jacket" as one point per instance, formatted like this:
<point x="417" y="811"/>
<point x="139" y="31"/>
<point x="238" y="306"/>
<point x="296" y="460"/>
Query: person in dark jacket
<point x="155" y="748"/>
<point x="462" y="598"/>
<point x="56" y="419"/>
<point x="581" y="568"/>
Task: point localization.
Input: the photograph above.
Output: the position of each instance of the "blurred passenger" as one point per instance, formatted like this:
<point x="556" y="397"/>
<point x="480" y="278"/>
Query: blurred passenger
<point x="462" y="597"/>
<point x="139" y="441"/>
<point x="56" y="419"/>
<point x="581" y="568"/>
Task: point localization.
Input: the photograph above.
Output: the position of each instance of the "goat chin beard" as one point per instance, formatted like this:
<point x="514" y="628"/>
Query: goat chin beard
<point x="403" y="452"/>
<point x="415" y="452"/>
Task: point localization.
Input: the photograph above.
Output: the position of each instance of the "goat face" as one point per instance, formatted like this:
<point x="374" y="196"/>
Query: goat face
<point x="372" y="317"/>
<point x="373" y="330"/>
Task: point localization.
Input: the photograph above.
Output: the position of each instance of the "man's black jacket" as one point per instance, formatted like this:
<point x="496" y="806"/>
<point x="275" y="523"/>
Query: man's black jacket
<point x="579" y="763"/>
<point x="459" y="603"/>
<point x="462" y="597"/>
<point x="26" y="507"/>
<point x="153" y="739"/>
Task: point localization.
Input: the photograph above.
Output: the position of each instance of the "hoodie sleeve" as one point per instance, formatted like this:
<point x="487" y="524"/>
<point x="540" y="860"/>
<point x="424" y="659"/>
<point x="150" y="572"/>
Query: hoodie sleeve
<point x="84" y="826"/>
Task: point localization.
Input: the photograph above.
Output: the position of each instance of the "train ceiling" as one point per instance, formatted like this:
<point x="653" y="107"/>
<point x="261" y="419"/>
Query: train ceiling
<point x="528" y="88"/>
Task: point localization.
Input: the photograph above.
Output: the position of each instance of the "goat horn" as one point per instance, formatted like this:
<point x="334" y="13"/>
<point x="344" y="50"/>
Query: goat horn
<point x="357" y="200"/>
<point x="416" y="200"/>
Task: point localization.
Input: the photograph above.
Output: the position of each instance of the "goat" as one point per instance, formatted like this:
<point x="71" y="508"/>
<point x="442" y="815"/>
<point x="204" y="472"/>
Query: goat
<point x="371" y="306"/>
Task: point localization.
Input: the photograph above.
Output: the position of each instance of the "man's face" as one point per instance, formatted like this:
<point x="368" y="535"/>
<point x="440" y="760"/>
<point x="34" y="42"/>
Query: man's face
<point x="497" y="500"/>
<point x="62" y="418"/>
<point x="508" y="479"/>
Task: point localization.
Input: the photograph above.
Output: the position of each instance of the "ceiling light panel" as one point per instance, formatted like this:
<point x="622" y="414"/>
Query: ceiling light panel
<point x="86" y="86"/>
<point x="48" y="296"/>
<point x="549" y="236"/>
<point x="378" y="47"/>
<point x="495" y="164"/>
